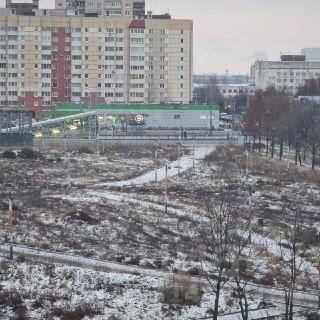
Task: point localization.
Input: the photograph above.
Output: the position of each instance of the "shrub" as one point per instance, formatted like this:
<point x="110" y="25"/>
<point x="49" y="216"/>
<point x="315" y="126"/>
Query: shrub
<point x="21" y="258"/>
<point x="85" y="150"/>
<point x="312" y="315"/>
<point x="83" y="217"/>
<point x="29" y="154"/>
<point x="174" y="156"/>
<point x="9" y="154"/>
<point x="181" y="290"/>
<point x="77" y="314"/>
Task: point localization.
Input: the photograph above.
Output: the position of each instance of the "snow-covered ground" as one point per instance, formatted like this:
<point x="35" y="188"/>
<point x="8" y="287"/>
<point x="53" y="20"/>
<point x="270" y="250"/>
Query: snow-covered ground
<point x="172" y="169"/>
<point x="106" y="221"/>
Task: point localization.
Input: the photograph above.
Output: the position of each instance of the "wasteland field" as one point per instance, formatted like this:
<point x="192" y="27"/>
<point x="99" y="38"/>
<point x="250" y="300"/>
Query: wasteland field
<point x="75" y="201"/>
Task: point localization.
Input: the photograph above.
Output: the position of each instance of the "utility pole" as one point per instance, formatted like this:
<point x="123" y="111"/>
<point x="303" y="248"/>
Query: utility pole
<point x="250" y="215"/>
<point x="319" y="286"/>
<point x="247" y="164"/>
<point x="10" y="223"/>
<point x="193" y="157"/>
<point x="68" y="169"/>
<point x="166" y="191"/>
<point x="156" y="157"/>
<point x="211" y="125"/>
<point x="179" y="158"/>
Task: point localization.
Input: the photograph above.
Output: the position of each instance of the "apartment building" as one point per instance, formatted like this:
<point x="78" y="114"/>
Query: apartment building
<point x="48" y="57"/>
<point x="288" y="74"/>
<point x="132" y="8"/>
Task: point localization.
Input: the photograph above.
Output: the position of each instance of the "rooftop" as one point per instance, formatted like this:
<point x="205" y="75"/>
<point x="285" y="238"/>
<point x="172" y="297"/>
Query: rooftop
<point x="75" y="108"/>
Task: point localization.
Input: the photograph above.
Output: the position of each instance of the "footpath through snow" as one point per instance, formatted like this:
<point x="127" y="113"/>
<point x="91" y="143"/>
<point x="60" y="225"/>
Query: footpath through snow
<point x="174" y="168"/>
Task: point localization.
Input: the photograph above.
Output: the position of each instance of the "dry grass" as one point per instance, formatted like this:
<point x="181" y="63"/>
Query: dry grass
<point x="181" y="290"/>
<point x="234" y="157"/>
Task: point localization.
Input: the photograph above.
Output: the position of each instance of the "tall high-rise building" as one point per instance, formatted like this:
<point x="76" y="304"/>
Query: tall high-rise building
<point x="50" y="56"/>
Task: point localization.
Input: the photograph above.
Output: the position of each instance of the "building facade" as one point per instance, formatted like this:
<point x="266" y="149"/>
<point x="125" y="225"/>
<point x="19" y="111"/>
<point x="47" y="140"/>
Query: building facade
<point x="49" y="56"/>
<point x="312" y="54"/>
<point x="132" y="8"/>
<point x="288" y="74"/>
<point x="148" y="115"/>
<point x="234" y="90"/>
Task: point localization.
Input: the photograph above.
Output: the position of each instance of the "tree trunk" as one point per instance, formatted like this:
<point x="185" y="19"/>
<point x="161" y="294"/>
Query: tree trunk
<point x="246" y="307"/>
<point x="259" y="145"/>
<point x="267" y="148"/>
<point x="281" y="150"/>
<point x="216" y="301"/>
<point x="272" y="148"/>
<point x="313" y="157"/>
<point x="287" y="302"/>
<point x="300" y="160"/>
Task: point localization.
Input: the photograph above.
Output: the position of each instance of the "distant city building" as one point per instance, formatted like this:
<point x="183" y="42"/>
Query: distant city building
<point x="309" y="99"/>
<point x="312" y="54"/>
<point x="262" y="56"/>
<point x="49" y="56"/>
<point x="221" y="79"/>
<point x="233" y="90"/>
<point x="288" y="74"/>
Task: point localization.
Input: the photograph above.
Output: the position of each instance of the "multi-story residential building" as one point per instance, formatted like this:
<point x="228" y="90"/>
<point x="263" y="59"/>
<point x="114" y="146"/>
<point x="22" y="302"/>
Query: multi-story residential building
<point x="288" y="74"/>
<point x="132" y="8"/>
<point x="48" y="57"/>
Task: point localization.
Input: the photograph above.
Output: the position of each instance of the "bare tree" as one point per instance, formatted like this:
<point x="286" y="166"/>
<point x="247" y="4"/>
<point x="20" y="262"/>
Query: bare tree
<point x="209" y="93"/>
<point x="219" y="236"/>
<point x="311" y="123"/>
<point x="289" y="267"/>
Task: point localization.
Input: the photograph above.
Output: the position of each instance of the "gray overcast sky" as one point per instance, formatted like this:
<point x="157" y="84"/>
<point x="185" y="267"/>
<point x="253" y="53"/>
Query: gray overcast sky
<point x="228" y="33"/>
